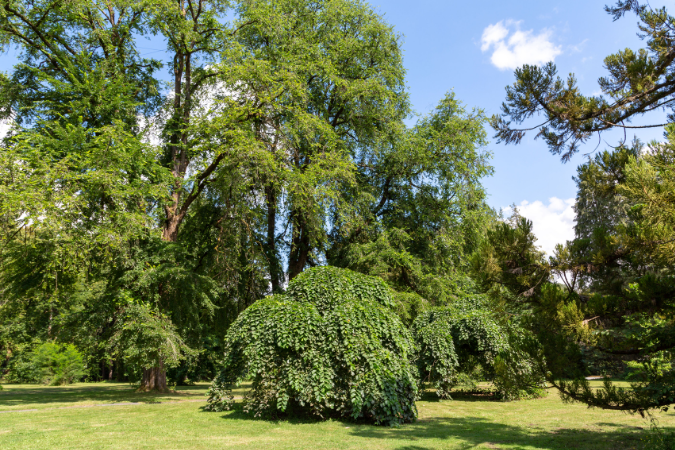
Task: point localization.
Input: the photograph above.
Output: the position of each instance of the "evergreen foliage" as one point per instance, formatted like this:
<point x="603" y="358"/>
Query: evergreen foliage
<point x="637" y="83"/>
<point x="56" y="364"/>
<point x="612" y="313"/>
<point x="329" y="347"/>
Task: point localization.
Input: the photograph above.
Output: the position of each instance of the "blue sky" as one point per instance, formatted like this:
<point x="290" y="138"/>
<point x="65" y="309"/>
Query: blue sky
<point x="445" y="50"/>
<point x="472" y="48"/>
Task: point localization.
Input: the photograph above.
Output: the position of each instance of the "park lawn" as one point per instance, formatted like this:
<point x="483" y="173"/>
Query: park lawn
<point x="66" y="418"/>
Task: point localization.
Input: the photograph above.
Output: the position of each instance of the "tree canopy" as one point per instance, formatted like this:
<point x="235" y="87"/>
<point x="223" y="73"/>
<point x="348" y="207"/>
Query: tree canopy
<point x="638" y="82"/>
<point x="139" y="210"/>
<point x="611" y="310"/>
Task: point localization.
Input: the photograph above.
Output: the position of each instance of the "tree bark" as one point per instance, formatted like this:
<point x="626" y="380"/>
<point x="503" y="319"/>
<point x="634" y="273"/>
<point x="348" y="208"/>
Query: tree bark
<point x="154" y="379"/>
<point x="299" y="255"/>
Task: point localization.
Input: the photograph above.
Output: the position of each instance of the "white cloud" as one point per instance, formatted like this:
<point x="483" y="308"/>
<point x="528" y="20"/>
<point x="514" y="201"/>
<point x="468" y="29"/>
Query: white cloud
<point x="579" y="47"/>
<point x="511" y="47"/>
<point x="493" y="35"/>
<point x="552" y="224"/>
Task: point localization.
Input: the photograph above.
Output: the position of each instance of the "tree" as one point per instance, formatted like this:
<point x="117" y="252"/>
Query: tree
<point x="330" y="347"/>
<point x="637" y="83"/>
<point x="348" y="93"/>
<point x="614" y="314"/>
<point x="615" y="311"/>
<point x="453" y="341"/>
<point x="419" y="208"/>
<point x="268" y="108"/>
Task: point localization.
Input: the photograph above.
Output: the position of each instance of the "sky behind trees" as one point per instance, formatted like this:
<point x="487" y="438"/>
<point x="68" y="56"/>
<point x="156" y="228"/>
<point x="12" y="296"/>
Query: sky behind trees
<point x="473" y="48"/>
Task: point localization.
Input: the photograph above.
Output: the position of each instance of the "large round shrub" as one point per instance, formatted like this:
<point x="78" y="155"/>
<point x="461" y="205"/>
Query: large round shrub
<point x="330" y="347"/>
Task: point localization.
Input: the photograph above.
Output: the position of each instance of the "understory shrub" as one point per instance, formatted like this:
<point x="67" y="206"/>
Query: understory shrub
<point x="457" y="342"/>
<point x="330" y="347"/>
<point x="57" y="364"/>
<point x="145" y="338"/>
<point x="452" y="342"/>
<point x="515" y="374"/>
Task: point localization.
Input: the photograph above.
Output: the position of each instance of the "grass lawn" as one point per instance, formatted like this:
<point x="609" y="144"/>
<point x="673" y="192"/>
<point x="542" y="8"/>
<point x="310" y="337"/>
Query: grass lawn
<point x="113" y="416"/>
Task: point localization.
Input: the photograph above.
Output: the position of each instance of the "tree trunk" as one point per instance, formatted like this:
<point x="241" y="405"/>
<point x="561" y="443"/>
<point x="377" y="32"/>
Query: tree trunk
<point x="297" y="260"/>
<point x="154" y="379"/>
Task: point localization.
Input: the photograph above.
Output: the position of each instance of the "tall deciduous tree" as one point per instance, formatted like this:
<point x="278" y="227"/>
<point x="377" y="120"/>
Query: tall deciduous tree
<point x="108" y="167"/>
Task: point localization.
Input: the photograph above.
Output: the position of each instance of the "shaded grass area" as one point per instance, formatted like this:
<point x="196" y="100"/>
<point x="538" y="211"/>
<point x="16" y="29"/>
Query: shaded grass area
<point x="468" y="422"/>
<point x="31" y="396"/>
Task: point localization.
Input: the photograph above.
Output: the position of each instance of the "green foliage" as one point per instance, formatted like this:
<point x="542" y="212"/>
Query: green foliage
<point x="516" y="374"/>
<point x="465" y="340"/>
<point x="615" y="303"/>
<point x="456" y="340"/>
<point x="636" y="83"/>
<point x="287" y="115"/>
<point x="508" y="259"/>
<point x="437" y="359"/>
<point x="648" y="192"/>
<point x="658" y="439"/>
<point x="419" y="209"/>
<point x="145" y="338"/>
<point x="326" y="287"/>
<point x="618" y="275"/>
<point x="57" y="364"/>
<point x="330" y="347"/>
<point x="409" y="305"/>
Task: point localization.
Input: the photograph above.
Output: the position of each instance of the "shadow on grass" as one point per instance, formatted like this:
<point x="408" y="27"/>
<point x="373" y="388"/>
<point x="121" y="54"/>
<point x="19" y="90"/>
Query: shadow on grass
<point x="237" y="413"/>
<point x="461" y="396"/>
<point x="469" y="432"/>
<point x="96" y="392"/>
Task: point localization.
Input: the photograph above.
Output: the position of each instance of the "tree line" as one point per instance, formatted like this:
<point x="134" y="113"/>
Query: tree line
<point x="141" y="216"/>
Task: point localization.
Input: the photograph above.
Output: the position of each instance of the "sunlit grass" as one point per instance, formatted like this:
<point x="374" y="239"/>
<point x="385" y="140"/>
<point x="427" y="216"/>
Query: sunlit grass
<point x="66" y="418"/>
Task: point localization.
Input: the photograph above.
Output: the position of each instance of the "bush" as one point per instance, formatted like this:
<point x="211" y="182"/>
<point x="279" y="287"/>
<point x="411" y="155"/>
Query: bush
<point x="330" y="347"/>
<point x="20" y="367"/>
<point x="453" y="342"/>
<point x="515" y="374"/>
<point x="145" y="338"/>
<point x="459" y="341"/>
<point x="56" y="364"/>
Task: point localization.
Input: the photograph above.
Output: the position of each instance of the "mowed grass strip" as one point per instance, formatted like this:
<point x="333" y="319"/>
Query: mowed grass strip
<point x="160" y="423"/>
<point x="31" y="396"/>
